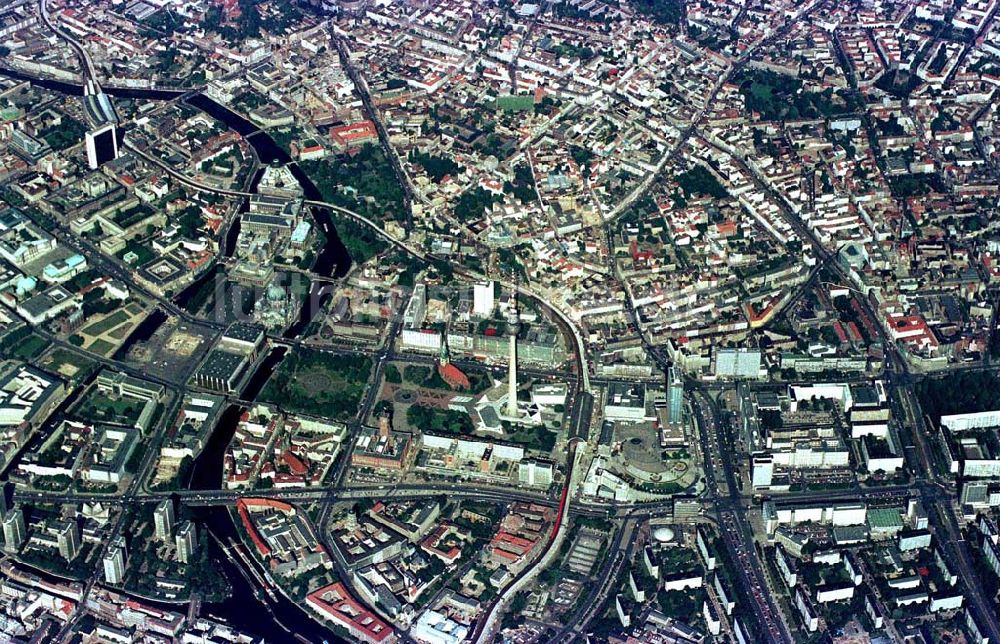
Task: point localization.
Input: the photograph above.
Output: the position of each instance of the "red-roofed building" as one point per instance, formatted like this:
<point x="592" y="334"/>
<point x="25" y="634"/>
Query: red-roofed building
<point x="262" y="548"/>
<point x="354" y="135"/>
<point x="640" y="256"/>
<point x="726" y="228"/>
<point x="838" y="328"/>
<point x="510" y="557"/>
<point x="759" y="316"/>
<point x="314" y="151"/>
<point x="511" y="543"/>
<point x="288" y="480"/>
<point x="454" y="376"/>
<point x="295" y="463"/>
<point x="913" y="330"/>
<point x="432" y="544"/>
<point x="867" y="322"/>
<point x="333" y="602"/>
<point x="854" y="331"/>
<point x="990" y="264"/>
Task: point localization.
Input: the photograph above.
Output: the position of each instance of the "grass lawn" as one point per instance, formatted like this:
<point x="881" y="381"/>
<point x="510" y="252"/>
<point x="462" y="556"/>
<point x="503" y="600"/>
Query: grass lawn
<point x="537" y="438"/>
<point x="101" y="347"/>
<point x="122" y="332"/>
<point x="762" y="92"/>
<point x="319" y="383"/>
<point x="97" y="407"/>
<point x="67" y="362"/>
<point x="667" y="487"/>
<point x="29" y="347"/>
<point x="108" y="323"/>
<point x="429" y="378"/>
<point x="448" y="421"/>
<point x="144" y="253"/>
<point x="516" y="103"/>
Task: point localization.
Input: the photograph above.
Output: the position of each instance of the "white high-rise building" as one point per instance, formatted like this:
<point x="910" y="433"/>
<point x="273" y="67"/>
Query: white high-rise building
<point x="186" y="542"/>
<point x="68" y="540"/>
<point x="102" y="145"/>
<point x="163" y="519"/>
<point x="737" y="363"/>
<point x="14" y="530"/>
<point x="762" y="469"/>
<point x="114" y="562"/>
<point x="482" y="299"/>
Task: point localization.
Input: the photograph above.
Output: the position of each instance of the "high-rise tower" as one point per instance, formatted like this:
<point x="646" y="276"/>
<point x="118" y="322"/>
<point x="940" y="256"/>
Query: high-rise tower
<point x="14" y="530"/>
<point x="103" y="145"/>
<point x="675" y="397"/>
<point x="163" y="520"/>
<point x="68" y="540"/>
<point x="512" y="364"/>
<point x="186" y="541"/>
<point x="114" y="561"/>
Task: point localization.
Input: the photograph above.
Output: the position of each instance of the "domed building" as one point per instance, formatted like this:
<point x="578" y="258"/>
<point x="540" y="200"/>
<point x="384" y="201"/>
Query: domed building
<point x="274" y="310"/>
<point x="664" y="535"/>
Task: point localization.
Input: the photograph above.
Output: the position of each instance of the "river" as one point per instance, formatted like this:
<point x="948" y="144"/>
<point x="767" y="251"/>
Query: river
<point x="75" y="89"/>
<point x="280" y="617"/>
<point x="332" y="259"/>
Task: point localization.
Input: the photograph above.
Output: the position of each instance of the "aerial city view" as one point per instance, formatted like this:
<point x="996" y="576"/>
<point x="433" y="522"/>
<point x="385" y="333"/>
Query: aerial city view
<point x="500" y="321"/>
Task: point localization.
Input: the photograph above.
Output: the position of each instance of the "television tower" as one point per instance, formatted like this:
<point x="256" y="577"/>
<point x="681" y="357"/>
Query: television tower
<point x="512" y="363"/>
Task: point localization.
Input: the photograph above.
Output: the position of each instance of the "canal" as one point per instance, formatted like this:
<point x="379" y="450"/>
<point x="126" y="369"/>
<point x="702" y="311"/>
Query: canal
<point x="142" y="333"/>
